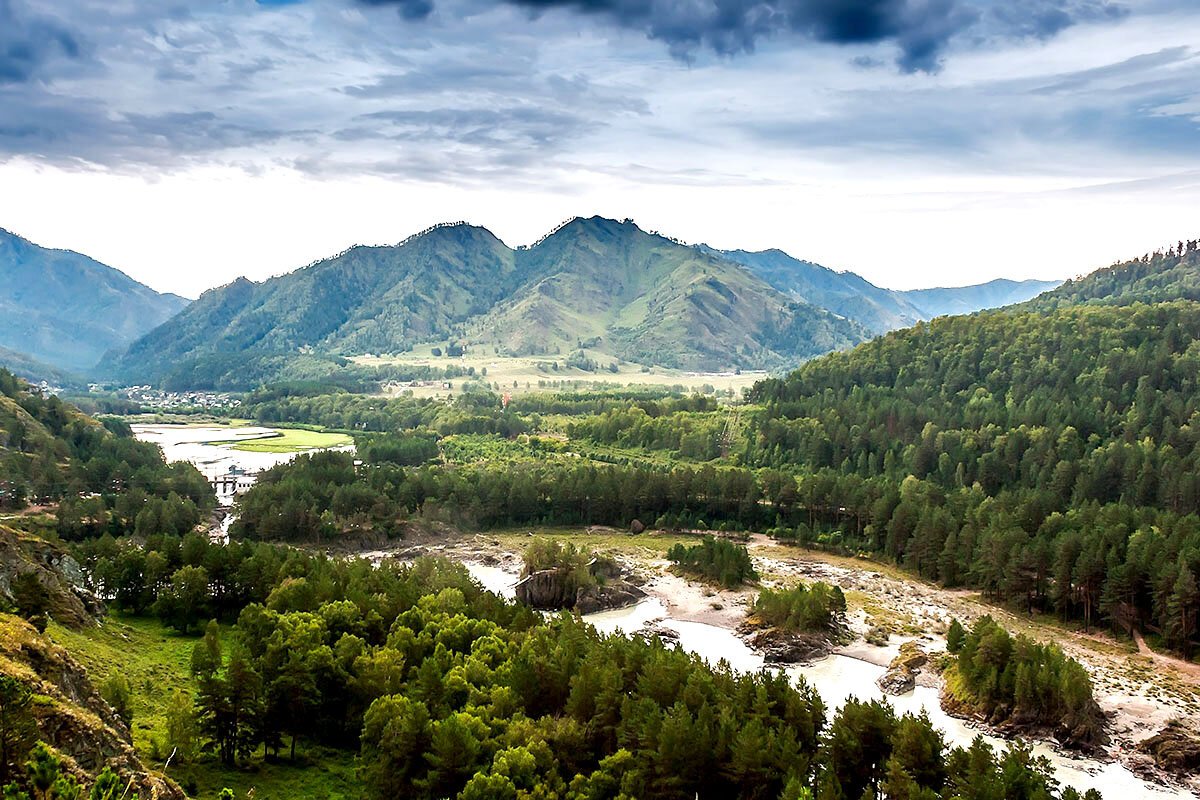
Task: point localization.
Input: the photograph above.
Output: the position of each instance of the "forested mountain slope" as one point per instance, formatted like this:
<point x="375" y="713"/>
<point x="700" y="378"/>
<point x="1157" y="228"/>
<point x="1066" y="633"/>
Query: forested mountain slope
<point x="106" y="480"/>
<point x="878" y="310"/>
<point x="631" y="294"/>
<point x="1052" y="458"/>
<point x="68" y="310"/>
<point x="1171" y="274"/>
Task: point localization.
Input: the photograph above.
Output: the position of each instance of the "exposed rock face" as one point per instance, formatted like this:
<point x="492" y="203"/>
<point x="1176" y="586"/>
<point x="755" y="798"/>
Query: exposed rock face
<point x="70" y="602"/>
<point x="550" y="589"/>
<point x="1174" y="749"/>
<point x="786" y="647"/>
<point x="901" y="675"/>
<point x="73" y="718"/>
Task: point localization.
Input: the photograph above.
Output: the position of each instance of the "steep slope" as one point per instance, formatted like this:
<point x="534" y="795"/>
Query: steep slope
<point x="635" y="295"/>
<point x="68" y="310"/>
<point x="363" y="300"/>
<point x="648" y="299"/>
<point x="942" y="302"/>
<point x="67" y="712"/>
<point x="1173" y="274"/>
<point x="844" y="293"/>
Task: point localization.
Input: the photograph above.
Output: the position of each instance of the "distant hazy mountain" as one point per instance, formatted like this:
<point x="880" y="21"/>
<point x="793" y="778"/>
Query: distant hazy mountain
<point x="968" y="299"/>
<point x="845" y="293"/>
<point x="34" y="371"/>
<point x="67" y="310"/>
<point x="1173" y="274"/>
<point x="607" y="285"/>
<point x="879" y="310"/>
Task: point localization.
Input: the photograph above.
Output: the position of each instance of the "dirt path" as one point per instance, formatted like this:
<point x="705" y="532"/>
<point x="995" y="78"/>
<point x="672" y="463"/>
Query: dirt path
<point x="1189" y="669"/>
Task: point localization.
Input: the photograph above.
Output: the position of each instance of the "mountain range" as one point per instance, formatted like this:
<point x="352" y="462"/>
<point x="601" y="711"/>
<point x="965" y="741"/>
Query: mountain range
<point x="65" y="310"/>
<point x="595" y="283"/>
<point x="879" y="310"/>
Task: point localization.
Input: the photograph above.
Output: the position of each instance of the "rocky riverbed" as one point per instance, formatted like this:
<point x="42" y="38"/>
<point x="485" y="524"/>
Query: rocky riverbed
<point x="891" y="617"/>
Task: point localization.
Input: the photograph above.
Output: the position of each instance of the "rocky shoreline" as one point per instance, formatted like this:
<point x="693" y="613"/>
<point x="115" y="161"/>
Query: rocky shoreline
<point x="924" y="610"/>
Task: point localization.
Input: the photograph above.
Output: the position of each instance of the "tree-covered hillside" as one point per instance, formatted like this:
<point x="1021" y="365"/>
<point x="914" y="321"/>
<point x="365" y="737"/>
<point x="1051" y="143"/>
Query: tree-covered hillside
<point x="1170" y="274"/>
<point x="67" y="310"/>
<point x="103" y="479"/>
<point x="1049" y="458"/>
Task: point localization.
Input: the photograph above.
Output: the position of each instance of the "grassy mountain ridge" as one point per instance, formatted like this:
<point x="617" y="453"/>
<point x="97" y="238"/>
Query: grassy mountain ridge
<point x="632" y="295"/>
<point x="67" y="310"/>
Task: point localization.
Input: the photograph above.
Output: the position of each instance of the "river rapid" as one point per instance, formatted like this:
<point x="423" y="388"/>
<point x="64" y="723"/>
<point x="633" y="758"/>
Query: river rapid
<point x="837" y="678"/>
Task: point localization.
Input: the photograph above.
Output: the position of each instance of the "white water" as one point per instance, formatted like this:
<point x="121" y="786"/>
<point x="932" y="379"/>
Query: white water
<point x="837" y="678"/>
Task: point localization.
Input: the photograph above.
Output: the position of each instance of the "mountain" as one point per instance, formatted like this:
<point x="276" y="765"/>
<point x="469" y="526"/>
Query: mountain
<point x="1171" y="274"/>
<point x="595" y="282"/>
<point x="879" y="310"/>
<point x="844" y="293"/>
<point x="35" y="371"/>
<point x="942" y="302"/>
<point x="68" y="310"/>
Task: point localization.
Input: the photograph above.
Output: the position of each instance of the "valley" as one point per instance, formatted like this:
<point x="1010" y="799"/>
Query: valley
<point x="520" y="375"/>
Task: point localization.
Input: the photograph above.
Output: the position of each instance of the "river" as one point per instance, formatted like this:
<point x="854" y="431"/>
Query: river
<point x="837" y="678"/>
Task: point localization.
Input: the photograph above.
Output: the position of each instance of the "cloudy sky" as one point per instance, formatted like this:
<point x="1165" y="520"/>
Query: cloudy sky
<point x="917" y="142"/>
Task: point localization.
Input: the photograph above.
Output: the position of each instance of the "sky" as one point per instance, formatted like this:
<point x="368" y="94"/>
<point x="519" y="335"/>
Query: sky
<point x="916" y="142"/>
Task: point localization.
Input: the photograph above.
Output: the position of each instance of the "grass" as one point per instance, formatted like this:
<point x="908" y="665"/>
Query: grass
<point x="289" y="440"/>
<point x="520" y="374"/>
<point x="157" y="662"/>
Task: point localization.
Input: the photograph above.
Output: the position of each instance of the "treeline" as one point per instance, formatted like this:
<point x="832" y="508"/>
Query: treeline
<point x="1053" y="460"/>
<point x="691" y="435"/>
<point x="718" y="560"/>
<point x="1018" y="682"/>
<point x="105" y="479"/>
<point x="469" y="412"/>
<point x="653" y="402"/>
<point x="320" y="495"/>
<point x="448" y="691"/>
<point x="815" y="608"/>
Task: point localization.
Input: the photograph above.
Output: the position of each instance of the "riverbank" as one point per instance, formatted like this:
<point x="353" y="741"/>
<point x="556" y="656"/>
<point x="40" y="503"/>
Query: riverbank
<point x="1140" y="693"/>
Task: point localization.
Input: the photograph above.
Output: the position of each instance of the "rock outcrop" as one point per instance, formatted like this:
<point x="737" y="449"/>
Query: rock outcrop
<point x="68" y="600"/>
<point x="1175" y="750"/>
<point x="70" y="715"/>
<point x="901" y="675"/>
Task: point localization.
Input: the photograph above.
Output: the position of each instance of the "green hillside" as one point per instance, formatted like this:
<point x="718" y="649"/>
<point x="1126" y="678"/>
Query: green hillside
<point x="51" y="451"/>
<point x="878" y="310"/>
<point x="1171" y="274"/>
<point x="597" y="283"/>
<point x="67" y="310"/>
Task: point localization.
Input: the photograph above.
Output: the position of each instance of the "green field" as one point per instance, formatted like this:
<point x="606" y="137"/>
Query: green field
<point x="289" y="440"/>
<point x="532" y="373"/>
<point x="157" y="663"/>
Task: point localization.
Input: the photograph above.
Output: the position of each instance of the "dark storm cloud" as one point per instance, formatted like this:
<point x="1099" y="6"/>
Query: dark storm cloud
<point x="921" y="29"/>
<point x="29" y="40"/>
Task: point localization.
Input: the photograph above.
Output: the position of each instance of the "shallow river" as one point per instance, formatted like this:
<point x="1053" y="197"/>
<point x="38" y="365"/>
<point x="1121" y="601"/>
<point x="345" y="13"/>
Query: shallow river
<point x="191" y="443"/>
<point x="837" y="678"/>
